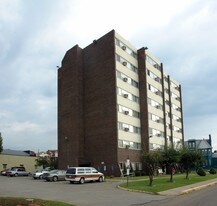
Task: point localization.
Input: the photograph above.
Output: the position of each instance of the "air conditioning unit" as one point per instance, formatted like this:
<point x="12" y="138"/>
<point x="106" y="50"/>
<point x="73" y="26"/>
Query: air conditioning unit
<point x="125" y="79"/>
<point x="125" y="95"/>
<point x="124" y="47"/>
<point x="155" y="65"/>
<point x="158" y="135"/>
<point x="124" y="63"/>
<point x="158" y="106"/>
<point x="157" y="93"/>
<point x="126" y="112"/>
<point x="157" y="79"/>
<point x="158" y="121"/>
<point x="126" y="129"/>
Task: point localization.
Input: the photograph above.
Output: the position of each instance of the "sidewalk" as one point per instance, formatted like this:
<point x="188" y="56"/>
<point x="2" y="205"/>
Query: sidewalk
<point x="189" y="188"/>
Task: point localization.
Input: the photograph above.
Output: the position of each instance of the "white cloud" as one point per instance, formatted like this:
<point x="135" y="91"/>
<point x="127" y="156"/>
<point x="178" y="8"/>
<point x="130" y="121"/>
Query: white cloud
<point x="23" y="126"/>
<point x="36" y="34"/>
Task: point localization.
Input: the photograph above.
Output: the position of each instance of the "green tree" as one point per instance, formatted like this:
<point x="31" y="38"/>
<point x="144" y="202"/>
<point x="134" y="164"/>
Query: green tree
<point x="1" y="143"/>
<point x="152" y="161"/>
<point x="189" y="159"/>
<point x="42" y="161"/>
<point x="171" y="158"/>
<point x="45" y="162"/>
<point x="53" y="163"/>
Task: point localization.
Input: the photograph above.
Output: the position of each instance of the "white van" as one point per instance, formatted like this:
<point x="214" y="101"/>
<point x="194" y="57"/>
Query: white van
<point x="83" y="174"/>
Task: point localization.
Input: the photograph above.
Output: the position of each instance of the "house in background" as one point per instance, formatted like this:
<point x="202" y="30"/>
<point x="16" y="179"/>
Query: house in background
<point x="50" y="154"/>
<point x="53" y="154"/>
<point x="205" y="145"/>
<point x="214" y="159"/>
<point x="12" y="158"/>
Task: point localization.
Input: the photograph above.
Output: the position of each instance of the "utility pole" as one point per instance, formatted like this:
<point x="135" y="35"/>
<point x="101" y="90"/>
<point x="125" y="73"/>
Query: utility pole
<point x="1" y="143"/>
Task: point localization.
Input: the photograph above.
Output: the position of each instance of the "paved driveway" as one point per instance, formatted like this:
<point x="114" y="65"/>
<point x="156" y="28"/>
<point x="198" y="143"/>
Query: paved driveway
<point x="105" y="193"/>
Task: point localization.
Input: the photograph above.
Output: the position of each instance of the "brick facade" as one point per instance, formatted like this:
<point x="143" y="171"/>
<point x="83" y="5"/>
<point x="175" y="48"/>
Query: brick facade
<point x="87" y="106"/>
<point x="91" y="91"/>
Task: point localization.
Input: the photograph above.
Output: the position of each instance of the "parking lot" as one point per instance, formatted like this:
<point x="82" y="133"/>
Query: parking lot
<point x="105" y="193"/>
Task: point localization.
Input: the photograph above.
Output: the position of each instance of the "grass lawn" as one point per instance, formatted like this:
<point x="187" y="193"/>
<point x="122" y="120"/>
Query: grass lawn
<point x="161" y="183"/>
<point x="13" y="201"/>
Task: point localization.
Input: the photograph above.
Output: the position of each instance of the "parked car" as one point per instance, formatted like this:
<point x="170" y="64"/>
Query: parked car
<point x="39" y="174"/>
<point x="4" y="172"/>
<point x="17" y="171"/>
<point x="83" y="174"/>
<point x="55" y="175"/>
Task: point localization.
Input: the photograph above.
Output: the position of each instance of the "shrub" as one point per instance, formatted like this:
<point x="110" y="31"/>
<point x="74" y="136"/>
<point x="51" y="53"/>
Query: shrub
<point x="201" y="172"/>
<point x="212" y="171"/>
<point x="137" y="173"/>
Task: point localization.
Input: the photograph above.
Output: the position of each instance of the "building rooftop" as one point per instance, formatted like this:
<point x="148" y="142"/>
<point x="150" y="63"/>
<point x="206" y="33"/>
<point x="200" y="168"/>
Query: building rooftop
<point x="14" y="152"/>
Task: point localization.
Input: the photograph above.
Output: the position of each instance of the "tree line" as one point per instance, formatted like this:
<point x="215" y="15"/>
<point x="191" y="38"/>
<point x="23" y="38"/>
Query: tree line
<point x="170" y="159"/>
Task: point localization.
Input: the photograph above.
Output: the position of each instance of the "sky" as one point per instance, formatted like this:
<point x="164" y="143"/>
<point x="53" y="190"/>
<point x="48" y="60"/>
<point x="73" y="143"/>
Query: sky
<point x="35" y="35"/>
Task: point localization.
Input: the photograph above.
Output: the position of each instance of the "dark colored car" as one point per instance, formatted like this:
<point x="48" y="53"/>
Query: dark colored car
<point x="55" y="175"/>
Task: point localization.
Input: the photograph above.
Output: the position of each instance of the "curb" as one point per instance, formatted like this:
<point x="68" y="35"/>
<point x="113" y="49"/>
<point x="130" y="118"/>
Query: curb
<point x="140" y="191"/>
<point x="197" y="188"/>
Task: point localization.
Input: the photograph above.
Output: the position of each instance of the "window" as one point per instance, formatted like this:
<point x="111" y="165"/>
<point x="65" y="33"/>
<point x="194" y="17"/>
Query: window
<point x="155" y="146"/>
<point x="154" y="90"/>
<point x="128" y="111"/>
<point x="155" y="118"/>
<point x="166" y="79"/>
<point x="191" y="144"/>
<point x="175" y="107"/>
<point x="80" y="171"/>
<point x="71" y="171"/>
<point x="138" y="166"/>
<point x="176" y="141"/>
<point x="176" y="129"/>
<point x="166" y="90"/>
<point x="154" y="103"/>
<point x="129" y="144"/>
<point x="174" y="85"/>
<point x="125" y="48"/>
<point x="94" y="170"/>
<point x="175" y="96"/>
<point x="153" y="63"/>
<point x="128" y="128"/>
<point x="155" y="132"/>
<point x="127" y="95"/>
<point x="126" y="63"/>
<point x="88" y="170"/>
<point x="154" y="76"/>
<point x="127" y="79"/>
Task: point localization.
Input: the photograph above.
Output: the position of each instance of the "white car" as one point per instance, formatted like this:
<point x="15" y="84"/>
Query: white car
<point x="39" y="174"/>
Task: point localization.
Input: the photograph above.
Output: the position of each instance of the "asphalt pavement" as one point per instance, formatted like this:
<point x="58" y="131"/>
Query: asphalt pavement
<point x="88" y="194"/>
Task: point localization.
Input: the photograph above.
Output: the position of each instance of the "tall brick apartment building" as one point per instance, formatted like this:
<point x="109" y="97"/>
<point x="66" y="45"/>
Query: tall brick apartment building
<point x="114" y="102"/>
